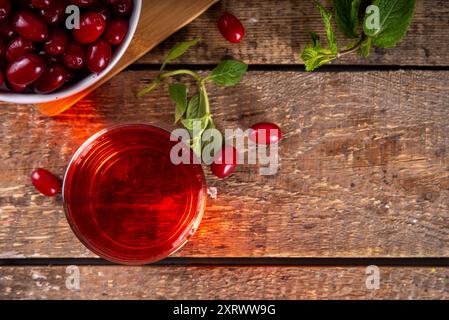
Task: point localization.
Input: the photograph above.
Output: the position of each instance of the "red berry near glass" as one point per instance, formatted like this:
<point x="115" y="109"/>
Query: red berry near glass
<point x="45" y="182"/>
<point x="265" y="133"/>
<point x="224" y="162"/>
<point x="38" y="54"/>
<point x="231" y="28"/>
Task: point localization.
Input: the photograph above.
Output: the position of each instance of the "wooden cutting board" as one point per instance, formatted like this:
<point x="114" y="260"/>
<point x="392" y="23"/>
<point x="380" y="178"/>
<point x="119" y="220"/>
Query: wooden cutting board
<point x="159" y="19"/>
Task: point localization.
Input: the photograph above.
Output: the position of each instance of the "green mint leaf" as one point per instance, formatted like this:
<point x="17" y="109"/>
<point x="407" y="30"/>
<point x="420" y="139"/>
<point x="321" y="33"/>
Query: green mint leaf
<point x="327" y="19"/>
<point x="314" y="55"/>
<point x="178" y="50"/>
<point x="314" y="58"/>
<point x="189" y="124"/>
<point x="228" y="73"/>
<point x="178" y="94"/>
<point x="196" y="107"/>
<point x="196" y="127"/>
<point x="365" y="47"/>
<point x="394" y="19"/>
<point x="347" y="16"/>
<point x="193" y="109"/>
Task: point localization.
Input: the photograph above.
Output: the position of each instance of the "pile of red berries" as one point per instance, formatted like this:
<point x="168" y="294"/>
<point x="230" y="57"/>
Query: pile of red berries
<point x="38" y="52"/>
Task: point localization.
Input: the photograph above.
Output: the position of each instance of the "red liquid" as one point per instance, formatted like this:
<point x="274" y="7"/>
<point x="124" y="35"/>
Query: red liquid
<point x="126" y="201"/>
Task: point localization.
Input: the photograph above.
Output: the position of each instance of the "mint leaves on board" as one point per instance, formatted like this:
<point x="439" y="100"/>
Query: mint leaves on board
<point x="354" y="19"/>
<point x="195" y="111"/>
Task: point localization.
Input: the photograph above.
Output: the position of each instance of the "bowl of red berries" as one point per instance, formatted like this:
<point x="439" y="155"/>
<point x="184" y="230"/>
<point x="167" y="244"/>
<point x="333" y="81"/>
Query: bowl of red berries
<point x="53" y="49"/>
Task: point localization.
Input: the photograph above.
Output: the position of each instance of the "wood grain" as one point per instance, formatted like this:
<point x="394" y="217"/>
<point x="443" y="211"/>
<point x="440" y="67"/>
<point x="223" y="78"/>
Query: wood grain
<point x="277" y="30"/>
<point x="158" y="20"/>
<point x="364" y="166"/>
<point x="101" y="282"/>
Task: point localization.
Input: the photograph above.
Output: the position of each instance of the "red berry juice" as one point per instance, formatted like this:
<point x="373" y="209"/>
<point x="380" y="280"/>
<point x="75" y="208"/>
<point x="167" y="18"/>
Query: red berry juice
<point x="125" y="199"/>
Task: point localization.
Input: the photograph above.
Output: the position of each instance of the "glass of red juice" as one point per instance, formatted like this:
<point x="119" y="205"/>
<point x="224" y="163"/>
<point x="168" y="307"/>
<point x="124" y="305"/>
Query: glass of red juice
<point x="125" y="199"/>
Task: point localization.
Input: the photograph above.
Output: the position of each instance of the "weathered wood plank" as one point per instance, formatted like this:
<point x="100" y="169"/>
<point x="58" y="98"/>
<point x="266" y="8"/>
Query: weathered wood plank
<point x="277" y="30"/>
<point x="100" y="282"/>
<point x="364" y="166"/>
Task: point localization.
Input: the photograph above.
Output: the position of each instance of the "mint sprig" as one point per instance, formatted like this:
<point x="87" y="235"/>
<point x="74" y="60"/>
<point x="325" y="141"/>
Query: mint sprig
<point x="194" y="113"/>
<point x="351" y="19"/>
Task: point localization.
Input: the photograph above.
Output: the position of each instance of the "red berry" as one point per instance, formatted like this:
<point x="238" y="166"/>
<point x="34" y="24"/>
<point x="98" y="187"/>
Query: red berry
<point x="231" y="28"/>
<point x="116" y="31"/>
<point x="6" y="30"/>
<point x="30" y="26"/>
<point x="45" y="182"/>
<point x="1" y="78"/>
<point x="5" y="9"/>
<point x="122" y="7"/>
<point x="17" y="48"/>
<point x="92" y="25"/>
<point x="52" y="79"/>
<point x="57" y="42"/>
<point x="2" y="50"/>
<point x="82" y="3"/>
<point x="16" y="88"/>
<point x="25" y="70"/>
<point x="55" y="13"/>
<point x="224" y="162"/>
<point x="98" y="56"/>
<point x="41" y="4"/>
<point x="265" y="133"/>
<point x="102" y="9"/>
<point x="74" y="56"/>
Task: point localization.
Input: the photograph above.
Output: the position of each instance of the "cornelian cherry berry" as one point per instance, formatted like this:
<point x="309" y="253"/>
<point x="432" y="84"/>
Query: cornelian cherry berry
<point x="75" y="56"/>
<point x="82" y="3"/>
<point x="92" y="25"/>
<point x="5" y="9"/>
<point x="122" y="7"/>
<point x="16" y="88"/>
<point x="55" y="13"/>
<point x="98" y="55"/>
<point x="45" y="182"/>
<point x="2" y="50"/>
<point x="231" y="28"/>
<point x="265" y="133"/>
<point x="41" y="4"/>
<point x="52" y="79"/>
<point x="116" y="31"/>
<point x="6" y="30"/>
<point x="225" y="162"/>
<point x="17" y="48"/>
<point x="30" y="26"/>
<point x="25" y="70"/>
<point x="102" y="9"/>
<point x="56" y="42"/>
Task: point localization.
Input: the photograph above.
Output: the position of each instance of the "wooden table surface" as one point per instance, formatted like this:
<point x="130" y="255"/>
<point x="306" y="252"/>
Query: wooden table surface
<point x="364" y="176"/>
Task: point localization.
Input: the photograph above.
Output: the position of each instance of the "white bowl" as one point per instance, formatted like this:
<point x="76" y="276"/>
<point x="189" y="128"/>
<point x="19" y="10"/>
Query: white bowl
<point x="30" y="98"/>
